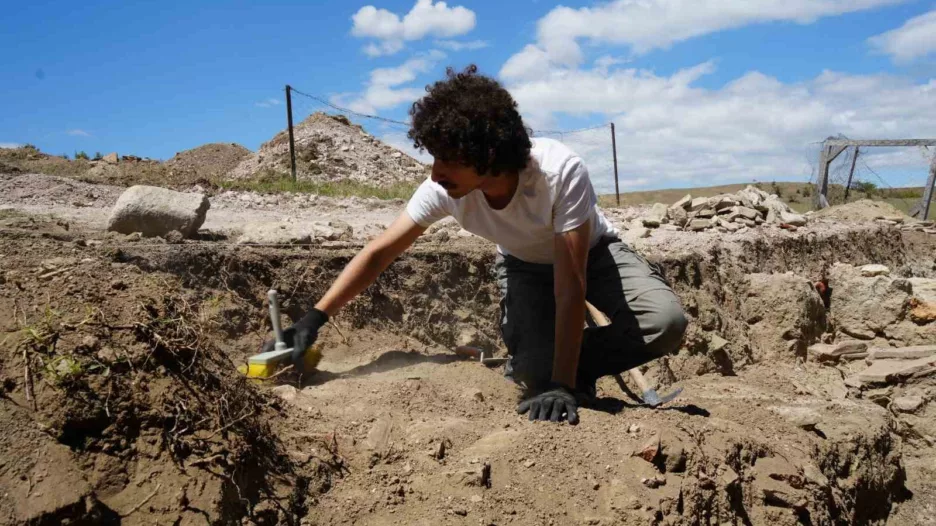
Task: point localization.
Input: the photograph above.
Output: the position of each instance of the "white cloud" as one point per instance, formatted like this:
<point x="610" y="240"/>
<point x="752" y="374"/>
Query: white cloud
<point x="78" y="133"/>
<point x="531" y="63"/>
<point x="455" y="45"/>
<point x="426" y="18"/>
<point x="382" y="91"/>
<point x="915" y="39"/>
<point x="673" y="133"/>
<point x="650" y="24"/>
<point x="387" y="47"/>
<point x="10" y="145"/>
<point x="268" y="103"/>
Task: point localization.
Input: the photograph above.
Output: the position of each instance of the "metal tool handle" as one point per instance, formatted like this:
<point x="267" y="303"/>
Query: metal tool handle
<point x="275" y="319"/>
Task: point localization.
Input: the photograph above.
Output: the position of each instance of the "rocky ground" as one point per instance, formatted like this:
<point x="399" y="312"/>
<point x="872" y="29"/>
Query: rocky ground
<point x="803" y="402"/>
<point x="331" y="148"/>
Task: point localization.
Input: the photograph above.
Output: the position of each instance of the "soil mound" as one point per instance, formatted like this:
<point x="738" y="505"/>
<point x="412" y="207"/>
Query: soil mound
<point x="861" y="211"/>
<point x="122" y="403"/>
<point x="209" y="160"/>
<point x="330" y="148"/>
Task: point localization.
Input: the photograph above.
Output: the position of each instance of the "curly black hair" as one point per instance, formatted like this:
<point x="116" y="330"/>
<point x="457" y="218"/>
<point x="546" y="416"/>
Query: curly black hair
<point x="471" y="119"/>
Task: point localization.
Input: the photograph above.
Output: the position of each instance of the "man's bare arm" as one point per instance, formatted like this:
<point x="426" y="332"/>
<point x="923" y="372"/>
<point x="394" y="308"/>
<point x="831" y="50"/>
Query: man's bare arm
<point x="367" y="265"/>
<point x="571" y="256"/>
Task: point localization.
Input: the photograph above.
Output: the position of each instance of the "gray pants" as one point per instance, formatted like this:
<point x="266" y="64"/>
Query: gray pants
<point x="647" y="320"/>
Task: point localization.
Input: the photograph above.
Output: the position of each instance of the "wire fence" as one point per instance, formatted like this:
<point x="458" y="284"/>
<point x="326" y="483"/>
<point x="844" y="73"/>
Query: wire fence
<point x="853" y="175"/>
<point x="593" y="144"/>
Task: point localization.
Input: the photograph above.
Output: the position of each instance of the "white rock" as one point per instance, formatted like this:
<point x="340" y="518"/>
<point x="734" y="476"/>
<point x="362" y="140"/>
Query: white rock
<point x="286" y="392"/>
<point x="869" y="271"/>
<point x="155" y="211"/>
<point x="793" y="219"/>
<point x="683" y="203"/>
<point x="908" y="404"/>
<point x="656" y="216"/>
<point x="270" y="233"/>
<point x="698" y="204"/>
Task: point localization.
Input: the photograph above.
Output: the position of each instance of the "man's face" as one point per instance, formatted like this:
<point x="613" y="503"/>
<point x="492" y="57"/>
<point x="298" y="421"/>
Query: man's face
<point x="458" y="180"/>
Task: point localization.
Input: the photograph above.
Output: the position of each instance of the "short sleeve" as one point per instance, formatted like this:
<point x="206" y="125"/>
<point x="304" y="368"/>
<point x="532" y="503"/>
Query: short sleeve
<point x="576" y="200"/>
<point x="428" y="204"/>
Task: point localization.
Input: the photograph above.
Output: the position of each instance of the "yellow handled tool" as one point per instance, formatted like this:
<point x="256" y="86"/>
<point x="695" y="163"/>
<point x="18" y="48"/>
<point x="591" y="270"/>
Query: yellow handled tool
<point x="265" y="365"/>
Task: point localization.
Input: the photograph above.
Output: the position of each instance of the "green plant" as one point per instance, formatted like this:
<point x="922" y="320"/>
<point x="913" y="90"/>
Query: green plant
<point x="81" y="155"/>
<point x="807" y="190"/>
<point x="776" y="189"/>
<point x="65" y="156"/>
<point x="866" y="187"/>
<point x="98" y="156"/>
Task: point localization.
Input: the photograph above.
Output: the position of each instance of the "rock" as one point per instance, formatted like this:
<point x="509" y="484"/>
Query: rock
<point x="635" y="233"/>
<point x="891" y="371"/>
<point x="529" y="464"/>
<point x="823" y="352"/>
<point x="922" y="312"/>
<point x="722" y="202"/>
<point x="812" y="474"/>
<point x="655" y="482"/>
<point x="698" y="204"/>
<point x="683" y="203"/>
<point x="742" y="211"/>
<point x="111" y="158"/>
<point x="268" y="233"/>
<point x="650" y="450"/>
<point x="865" y="307"/>
<point x="908" y="404"/>
<point x="677" y="215"/>
<point x="674" y="456"/>
<point x="785" y="315"/>
<point x="924" y="289"/>
<point x="378" y="437"/>
<point x="727" y="476"/>
<point x="869" y="271"/>
<point x="286" y="392"/>
<point x="175" y="237"/>
<point x="469" y="336"/>
<point x="716" y="343"/>
<point x="904" y="353"/>
<point x="706" y="213"/>
<point x="802" y="417"/>
<point x="155" y="211"/>
<point x="334" y="230"/>
<point x="474" y="394"/>
<point x="699" y="224"/>
<point x="656" y="216"/>
<point x="790" y="218"/>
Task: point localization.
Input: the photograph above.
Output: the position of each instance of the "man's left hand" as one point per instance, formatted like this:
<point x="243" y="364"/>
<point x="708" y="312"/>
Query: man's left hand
<point x="556" y="404"/>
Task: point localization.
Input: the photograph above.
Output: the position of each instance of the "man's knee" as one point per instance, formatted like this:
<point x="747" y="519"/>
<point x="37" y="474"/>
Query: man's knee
<point x="665" y="325"/>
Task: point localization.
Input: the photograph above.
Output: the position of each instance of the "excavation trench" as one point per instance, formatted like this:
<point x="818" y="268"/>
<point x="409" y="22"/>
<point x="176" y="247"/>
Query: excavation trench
<point x="395" y="427"/>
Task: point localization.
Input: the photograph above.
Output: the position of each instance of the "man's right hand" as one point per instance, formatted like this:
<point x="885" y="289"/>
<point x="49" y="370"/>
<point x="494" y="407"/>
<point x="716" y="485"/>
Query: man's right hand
<point x="301" y="336"/>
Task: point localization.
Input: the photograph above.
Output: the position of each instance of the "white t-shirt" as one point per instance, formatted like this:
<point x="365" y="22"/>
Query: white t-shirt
<point x="554" y="195"/>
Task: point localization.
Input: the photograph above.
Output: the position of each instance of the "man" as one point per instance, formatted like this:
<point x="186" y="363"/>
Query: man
<point x="555" y="249"/>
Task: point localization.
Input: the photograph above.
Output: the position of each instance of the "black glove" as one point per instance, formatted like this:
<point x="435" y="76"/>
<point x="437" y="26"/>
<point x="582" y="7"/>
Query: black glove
<point x="554" y="403"/>
<point x="301" y="336"/>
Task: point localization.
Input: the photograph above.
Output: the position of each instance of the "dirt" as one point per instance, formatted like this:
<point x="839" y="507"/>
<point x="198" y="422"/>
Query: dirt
<point x="140" y="416"/>
<point x="331" y="148"/>
<point x="209" y="161"/>
<point x="861" y="211"/>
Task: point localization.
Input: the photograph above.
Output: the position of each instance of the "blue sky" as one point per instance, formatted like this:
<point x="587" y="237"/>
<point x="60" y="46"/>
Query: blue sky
<point x="702" y="91"/>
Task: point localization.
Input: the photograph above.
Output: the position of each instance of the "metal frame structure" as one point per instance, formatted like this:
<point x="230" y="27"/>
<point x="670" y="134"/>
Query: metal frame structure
<point x="832" y="148"/>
